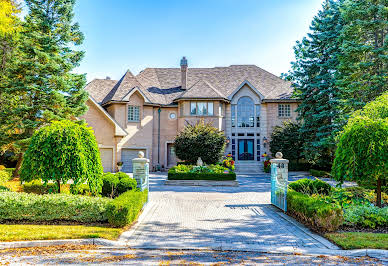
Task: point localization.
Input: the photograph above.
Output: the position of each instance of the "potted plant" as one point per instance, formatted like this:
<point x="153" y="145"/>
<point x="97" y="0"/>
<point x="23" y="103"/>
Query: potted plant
<point x="119" y="166"/>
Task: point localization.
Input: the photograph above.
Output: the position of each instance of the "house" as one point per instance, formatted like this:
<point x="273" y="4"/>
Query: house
<point x="145" y="112"/>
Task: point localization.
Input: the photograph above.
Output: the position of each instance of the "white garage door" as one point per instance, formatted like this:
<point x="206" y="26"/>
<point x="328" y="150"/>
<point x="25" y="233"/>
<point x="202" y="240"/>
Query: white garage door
<point x="106" y="155"/>
<point x="126" y="157"/>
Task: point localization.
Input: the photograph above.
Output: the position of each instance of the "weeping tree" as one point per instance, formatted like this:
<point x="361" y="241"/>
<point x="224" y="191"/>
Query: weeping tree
<point x="362" y="151"/>
<point x="200" y="140"/>
<point x="63" y="151"/>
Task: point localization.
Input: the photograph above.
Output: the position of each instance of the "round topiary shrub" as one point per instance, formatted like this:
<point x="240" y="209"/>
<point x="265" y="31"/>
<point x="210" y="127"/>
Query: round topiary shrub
<point x="109" y="185"/>
<point x="200" y="140"/>
<point x="63" y="151"/>
<point x="126" y="184"/>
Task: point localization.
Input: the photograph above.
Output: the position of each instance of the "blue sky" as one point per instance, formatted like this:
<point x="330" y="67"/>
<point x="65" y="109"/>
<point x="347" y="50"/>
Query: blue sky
<point x="128" y="34"/>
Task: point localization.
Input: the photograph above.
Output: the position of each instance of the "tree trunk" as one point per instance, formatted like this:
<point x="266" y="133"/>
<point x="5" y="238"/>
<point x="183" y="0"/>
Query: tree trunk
<point x="59" y="186"/>
<point x="18" y="165"/>
<point x="378" y="192"/>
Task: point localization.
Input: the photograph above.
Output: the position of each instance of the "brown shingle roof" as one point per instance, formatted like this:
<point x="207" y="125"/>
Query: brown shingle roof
<point x="99" y="88"/>
<point x="162" y="85"/>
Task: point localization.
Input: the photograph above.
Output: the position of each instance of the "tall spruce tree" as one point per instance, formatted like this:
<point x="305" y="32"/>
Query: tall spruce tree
<point x="314" y="77"/>
<point x="364" y="59"/>
<point x="41" y="83"/>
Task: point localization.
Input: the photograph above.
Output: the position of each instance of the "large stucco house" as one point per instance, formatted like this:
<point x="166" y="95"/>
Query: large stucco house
<point x="145" y="112"/>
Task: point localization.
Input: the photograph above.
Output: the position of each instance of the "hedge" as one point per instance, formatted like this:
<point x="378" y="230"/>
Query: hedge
<point x="202" y="176"/>
<point x="315" y="211"/>
<point x="308" y="186"/>
<point x="124" y="209"/>
<point x="17" y="206"/>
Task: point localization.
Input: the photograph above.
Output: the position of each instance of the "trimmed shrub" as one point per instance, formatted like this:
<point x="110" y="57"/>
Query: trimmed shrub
<point x="126" y="184"/>
<point x="37" y="187"/>
<point x="4" y="177"/>
<point x="109" y="185"/>
<point x="309" y="187"/>
<point x="62" y="151"/>
<point x="10" y="172"/>
<point x="200" y="140"/>
<point x="16" y="206"/>
<point x="319" y="173"/>
<point x="80" y="189"/>
<point x="315" y="211"/>
<point x="191" y="172"/>
<point x="4" y="189"/>
<point x="124" y="209"/>
<point x="121" y="175"/>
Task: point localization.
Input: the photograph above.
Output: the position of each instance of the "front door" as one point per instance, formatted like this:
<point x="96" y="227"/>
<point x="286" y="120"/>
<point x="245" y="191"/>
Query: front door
<point x="245" y="149"/>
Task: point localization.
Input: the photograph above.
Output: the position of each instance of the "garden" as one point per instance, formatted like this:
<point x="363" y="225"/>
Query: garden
<point x="355" y="216"/>
<point x="201" y="147"/>
<point x="62" y="191"/>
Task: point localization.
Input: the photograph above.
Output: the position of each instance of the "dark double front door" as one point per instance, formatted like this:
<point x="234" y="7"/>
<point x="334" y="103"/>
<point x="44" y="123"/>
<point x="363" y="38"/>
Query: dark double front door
<point x="246" y="149"/>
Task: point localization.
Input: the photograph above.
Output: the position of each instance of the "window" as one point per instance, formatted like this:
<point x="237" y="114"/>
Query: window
<point x="133" y="113"/>
<point x="220" y="109"/>
<point x="245" y="112"/>
<point x="172" y="116"/>
<point x="233" y="115"/>
<point x="258" y="149"/>
<point x="181" y="109"/>
<point x="258" y="107"/>
<point x="201" y="108"/>
<point x="284" y="110"/>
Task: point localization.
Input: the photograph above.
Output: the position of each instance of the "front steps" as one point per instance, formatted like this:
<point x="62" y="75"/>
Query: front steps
<point x="249" y="167"/>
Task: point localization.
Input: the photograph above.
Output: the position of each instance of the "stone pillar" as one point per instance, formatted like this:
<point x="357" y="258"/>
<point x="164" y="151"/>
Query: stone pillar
<point x="141" y="171"/>
<point x="279" y="181"/>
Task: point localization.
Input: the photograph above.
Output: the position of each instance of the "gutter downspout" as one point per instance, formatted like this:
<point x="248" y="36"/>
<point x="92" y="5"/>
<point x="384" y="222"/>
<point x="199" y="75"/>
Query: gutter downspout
<point x="159" y="110"/>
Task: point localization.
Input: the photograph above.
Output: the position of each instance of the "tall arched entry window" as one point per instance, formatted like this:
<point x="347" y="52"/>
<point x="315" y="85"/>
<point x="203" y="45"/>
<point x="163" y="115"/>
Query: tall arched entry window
<point x="245" y="112"/>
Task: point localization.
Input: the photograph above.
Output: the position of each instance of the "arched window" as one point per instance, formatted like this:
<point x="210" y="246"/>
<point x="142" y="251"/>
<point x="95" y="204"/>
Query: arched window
<point x="245" y="112"/>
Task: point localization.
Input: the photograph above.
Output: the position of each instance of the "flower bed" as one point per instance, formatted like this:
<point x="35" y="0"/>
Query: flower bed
<point x="210" y="172"/>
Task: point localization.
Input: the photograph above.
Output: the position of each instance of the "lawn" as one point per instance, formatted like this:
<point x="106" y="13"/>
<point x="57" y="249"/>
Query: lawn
<point x="18" y="232"/>
<point x="356" y="240"/>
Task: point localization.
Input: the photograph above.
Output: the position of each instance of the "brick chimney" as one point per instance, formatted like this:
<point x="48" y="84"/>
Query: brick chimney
<point x="184" y="73"/>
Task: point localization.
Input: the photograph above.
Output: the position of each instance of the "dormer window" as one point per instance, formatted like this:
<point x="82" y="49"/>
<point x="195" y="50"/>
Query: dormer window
<point x="201" y="108"/>
<point x="133" y="113"/>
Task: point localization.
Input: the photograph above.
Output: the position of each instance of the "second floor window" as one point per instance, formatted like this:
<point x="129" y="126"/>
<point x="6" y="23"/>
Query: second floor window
<point x="245" y="112"/>
<point x="284" y="110"/>
<point x="201" y="108"/>
<point x="133" y="113"/>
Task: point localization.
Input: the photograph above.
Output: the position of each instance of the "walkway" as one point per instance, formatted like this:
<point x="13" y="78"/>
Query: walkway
<point x="218" y="217"/>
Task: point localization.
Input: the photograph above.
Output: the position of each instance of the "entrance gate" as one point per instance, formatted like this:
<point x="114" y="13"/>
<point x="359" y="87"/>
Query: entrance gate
<point x="279" y="181"/>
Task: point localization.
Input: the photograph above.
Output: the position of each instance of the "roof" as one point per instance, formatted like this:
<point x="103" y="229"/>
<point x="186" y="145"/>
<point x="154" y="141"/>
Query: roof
<point x="163" y="85"/>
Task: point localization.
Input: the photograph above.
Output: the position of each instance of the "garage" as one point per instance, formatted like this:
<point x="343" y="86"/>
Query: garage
<point x="127" y="155"/>
<point x="106" y="155"/>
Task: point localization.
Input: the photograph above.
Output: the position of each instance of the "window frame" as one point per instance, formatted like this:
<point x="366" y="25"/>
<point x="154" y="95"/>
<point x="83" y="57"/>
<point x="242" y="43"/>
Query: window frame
<point x="133" y="108"/>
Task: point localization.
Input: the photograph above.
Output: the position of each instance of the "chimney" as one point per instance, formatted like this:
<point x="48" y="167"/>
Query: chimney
<point x="184" y="73"/>
<point x="107" y="77"/>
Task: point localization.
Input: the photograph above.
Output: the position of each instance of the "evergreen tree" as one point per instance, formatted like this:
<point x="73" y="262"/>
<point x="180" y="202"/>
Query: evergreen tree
<point x="364" y="62"/>
<point x="41" y="83"/>
<point x="314" y="76"/>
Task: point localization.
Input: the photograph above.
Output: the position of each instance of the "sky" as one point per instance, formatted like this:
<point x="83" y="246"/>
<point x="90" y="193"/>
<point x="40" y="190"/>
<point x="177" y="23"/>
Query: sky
<point x="129" y="34"/>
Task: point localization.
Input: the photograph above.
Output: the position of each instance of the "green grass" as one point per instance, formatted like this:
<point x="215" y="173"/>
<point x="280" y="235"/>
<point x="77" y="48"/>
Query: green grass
<point x="356" y="240"/>
<point x="18" y="232"/>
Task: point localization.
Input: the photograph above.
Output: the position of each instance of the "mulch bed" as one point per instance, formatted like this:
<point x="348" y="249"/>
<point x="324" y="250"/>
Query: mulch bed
<point x="344" y="228"/>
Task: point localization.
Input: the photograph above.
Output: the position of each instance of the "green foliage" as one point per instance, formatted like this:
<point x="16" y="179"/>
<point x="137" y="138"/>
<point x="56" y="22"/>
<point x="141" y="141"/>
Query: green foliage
<point x="288" y="140"/>
<point x="4" y="189"/>
<point x="80" y="189"/>
<point x="315" y="211"/>
<point x="37" y="187"/>
<point x="200" y="140"/>
<point x="116" y="184"/>
<point x="126" y="184"/>
<point x="124" y="209"/>
<point x="314" y="75"/>
<point x="16" y="206"/>
<point x="63" y="151"/>
<point x="4" y="177"/>
<point x="319" y="173"/>
<point x="267" y="166"/>
<point x="363" y="65"/>
<point x="10" y="171"/>
<point x="366" y="215"/>
<point x="309" y="187"/>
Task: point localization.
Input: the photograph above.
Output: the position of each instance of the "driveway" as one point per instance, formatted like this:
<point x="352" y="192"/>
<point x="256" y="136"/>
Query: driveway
<point x="219" y="218"/>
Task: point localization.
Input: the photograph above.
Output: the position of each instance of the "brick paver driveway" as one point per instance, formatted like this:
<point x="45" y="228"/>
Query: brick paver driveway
<point x="218" y="217"/>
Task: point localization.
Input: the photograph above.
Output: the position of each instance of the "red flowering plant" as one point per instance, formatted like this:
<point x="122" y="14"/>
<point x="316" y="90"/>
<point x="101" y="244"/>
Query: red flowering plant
<point x="228" y="162"/>
<point x="267" y="163"/>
